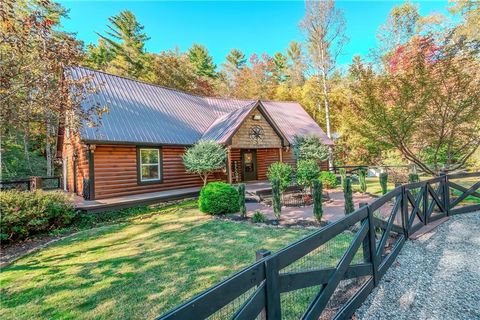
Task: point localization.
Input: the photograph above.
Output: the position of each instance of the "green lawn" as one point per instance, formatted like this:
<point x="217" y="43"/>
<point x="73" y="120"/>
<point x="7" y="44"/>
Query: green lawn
<point x="373" y="186"/>
<point x="138" y="268"/>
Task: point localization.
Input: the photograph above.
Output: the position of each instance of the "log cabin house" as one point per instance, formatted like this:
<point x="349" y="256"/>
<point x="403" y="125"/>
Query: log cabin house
<point x="139" y="145"/>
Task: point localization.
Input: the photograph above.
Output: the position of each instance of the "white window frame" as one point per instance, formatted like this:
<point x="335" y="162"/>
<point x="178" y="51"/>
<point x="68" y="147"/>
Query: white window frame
<point x="141" y="165"/>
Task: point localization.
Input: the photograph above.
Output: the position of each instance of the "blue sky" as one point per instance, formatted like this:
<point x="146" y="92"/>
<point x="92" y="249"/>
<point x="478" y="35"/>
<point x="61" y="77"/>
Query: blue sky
<point x="253" y="27"/>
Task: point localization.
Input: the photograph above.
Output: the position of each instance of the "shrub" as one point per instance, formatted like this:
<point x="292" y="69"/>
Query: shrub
<point x="413" y="177"/>
<point x="218" y="198"/>
<point x="307" y="171"/>
<point x="329" y="180"/>
<point x="309" y="147"/>
<point x="317" y="199"/>
<point x="282" y="172"/>
<point x="362" y="176"/>
<point x="203" y="158"/>
<point x="343" y="175"/>
<point x="383" y="178"/>
<point x="29" y="213"/>
<point x="259" y="217"/>
<point x="241" y="200"/>
<point x="347" y="193"/>
<point x="277" y="204"/>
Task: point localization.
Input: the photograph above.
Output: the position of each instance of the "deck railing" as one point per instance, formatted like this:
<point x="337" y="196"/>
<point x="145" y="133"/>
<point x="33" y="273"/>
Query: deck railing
<point x="329" y="274"/>
<point x="32" y="183"/>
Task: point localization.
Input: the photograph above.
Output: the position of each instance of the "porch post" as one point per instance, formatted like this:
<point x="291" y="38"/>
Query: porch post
<point x="229" y="165"/>
<point x="280" y="150"/>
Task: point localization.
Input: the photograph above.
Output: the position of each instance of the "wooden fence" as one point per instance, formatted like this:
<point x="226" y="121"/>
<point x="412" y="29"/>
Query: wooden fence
<point x="329" y="274"/>
<point x="44" y="183"/>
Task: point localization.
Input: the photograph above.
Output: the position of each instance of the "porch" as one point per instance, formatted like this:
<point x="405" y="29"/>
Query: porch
<point x="93" y="206"/>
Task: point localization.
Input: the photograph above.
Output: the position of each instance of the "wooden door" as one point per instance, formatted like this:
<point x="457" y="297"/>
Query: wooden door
<point x="249" y="164"/>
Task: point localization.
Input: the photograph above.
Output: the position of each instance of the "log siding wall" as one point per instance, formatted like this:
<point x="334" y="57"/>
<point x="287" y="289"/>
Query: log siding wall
<point x="73" y="146"/>
<point x="116" y="173"/>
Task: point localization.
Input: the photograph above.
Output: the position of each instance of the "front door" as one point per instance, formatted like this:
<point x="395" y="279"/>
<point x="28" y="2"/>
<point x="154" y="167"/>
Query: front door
<point x="249" y="164"/>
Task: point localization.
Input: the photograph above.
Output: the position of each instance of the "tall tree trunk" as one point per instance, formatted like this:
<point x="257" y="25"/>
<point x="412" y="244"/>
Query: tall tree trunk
<point x="48" y="147"/>
<point x="327" y="107"/>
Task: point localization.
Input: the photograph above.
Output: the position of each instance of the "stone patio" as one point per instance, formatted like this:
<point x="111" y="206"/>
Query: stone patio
<point x="333" y="209"/>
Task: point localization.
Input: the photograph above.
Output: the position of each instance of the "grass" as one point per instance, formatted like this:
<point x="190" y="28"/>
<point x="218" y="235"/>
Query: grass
<point x="373" y="186"/>
<point x="139" y="268"/>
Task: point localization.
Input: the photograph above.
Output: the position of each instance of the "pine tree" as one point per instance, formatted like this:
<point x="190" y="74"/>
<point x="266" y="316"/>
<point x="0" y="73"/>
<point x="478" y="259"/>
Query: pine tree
<point x="202" y="61"/>
<point x="126" y="39"/>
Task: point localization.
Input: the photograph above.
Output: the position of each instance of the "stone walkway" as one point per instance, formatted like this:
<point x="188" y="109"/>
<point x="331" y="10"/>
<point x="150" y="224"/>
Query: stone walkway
<point x="333" y="209"/>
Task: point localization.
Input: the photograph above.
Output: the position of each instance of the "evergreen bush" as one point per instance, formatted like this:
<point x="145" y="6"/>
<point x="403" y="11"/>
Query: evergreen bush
<point x="241" y="200"/>
<point x="343" y="175"/>
<point x="347" y="193"/>
<point x="383" y="181"/>
<point x="259" y="217"/>
<point x="276" y="202"/>
<point x="317" y="199"/>
<point x="362" y="177"/>
<point x="218" y="198"/>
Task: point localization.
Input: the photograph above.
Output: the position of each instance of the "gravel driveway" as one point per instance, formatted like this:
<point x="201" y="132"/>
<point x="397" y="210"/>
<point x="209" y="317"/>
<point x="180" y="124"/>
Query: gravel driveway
<point x="435" y="277"/>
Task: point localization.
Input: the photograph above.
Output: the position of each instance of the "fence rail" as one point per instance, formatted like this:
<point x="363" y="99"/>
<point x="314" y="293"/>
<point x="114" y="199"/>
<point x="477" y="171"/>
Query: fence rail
<point x="301" y="274"/>
<point x="45" y="183"/>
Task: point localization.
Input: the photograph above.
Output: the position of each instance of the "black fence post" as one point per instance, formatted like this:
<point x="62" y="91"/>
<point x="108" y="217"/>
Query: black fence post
<point x="425" y="204"/>
<point x="446" y="193"/>
<point x="372" y="246"/>
<point x="260" y="254"/>
<point x="405" y="212"/>
<point x="273" y="307"/>
<point x="366" y="241"/>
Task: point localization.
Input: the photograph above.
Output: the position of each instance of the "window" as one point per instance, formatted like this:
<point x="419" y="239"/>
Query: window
<point x="149" y="165"/>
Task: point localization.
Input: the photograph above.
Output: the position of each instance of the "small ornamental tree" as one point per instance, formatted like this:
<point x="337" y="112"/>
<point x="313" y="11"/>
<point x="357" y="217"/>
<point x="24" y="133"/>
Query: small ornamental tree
<point x="309" y="147"/>
<point x="347" y="193"/>
<point x="362" y="177"/>
<point x="317" y="199"/>
<point x="277" y="204"/>
<point x="203" y="158"/>
<point x="307" y="172"/>
<point x="383" y="181"/>
<point x="282" y="172"/>
<point x="241" y="200"/>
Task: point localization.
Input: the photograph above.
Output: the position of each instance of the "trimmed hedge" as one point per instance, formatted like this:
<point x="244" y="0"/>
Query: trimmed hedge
<point x="28" y="213"/>
<point x="218" y="198"/>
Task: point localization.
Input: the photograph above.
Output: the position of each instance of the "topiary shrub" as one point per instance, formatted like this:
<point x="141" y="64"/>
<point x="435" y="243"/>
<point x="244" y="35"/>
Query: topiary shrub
<point x="413" y="177"/>
<point x="276" y="202"/>
<point x="259" y="217"/>
<point x="329" y="180"/>
<point x="383" y="178"/>
<point x="362" y="178"/>
<point x="343" y="176"/>
<point x="307" y="172"/>
<point x="218" y="198"/>
<point x="317" y="199"/>
<point x="28" y="213"/>
<point x="282" y="172"/>
<point x="241" y="200"/>
<point x="347" y="193"/>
